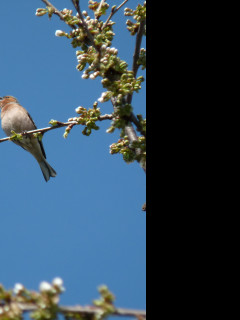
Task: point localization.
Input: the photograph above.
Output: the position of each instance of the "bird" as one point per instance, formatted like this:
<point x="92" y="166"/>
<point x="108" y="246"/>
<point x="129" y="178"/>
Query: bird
<point x="15" y="118"/>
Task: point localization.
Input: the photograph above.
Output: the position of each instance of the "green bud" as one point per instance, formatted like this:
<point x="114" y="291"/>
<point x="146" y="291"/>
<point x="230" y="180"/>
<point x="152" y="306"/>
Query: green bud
<point x="15" y="136"/>
<point x="50" y="11"/>
<point x="87" y="131"/>
<point x="38" y="135"/>
<point x="123" y="65"/>
<point x="53" y="122"/>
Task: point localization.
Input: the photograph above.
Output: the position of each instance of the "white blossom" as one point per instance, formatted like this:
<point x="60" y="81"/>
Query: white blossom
<point x="58" y="283"/>
<point x="18" y="288"/>
<point x="45" y="286"/>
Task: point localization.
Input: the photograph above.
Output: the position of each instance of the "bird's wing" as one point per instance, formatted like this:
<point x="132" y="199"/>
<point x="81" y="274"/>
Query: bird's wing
<point x="40" y="142"/>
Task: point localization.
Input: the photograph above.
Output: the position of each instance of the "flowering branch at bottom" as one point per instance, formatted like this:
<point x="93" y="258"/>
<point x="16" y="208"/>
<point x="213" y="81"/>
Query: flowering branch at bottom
<point x="70" y="311"/>
<point x="44" y="304"/>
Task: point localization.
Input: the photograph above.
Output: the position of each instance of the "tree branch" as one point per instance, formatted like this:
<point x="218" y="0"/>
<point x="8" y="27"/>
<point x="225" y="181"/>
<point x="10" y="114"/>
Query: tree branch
<point x="132" y="119"/>
<point x="135" y="67"/>
<point x="87" y="310"/>
<point x="84" y="24"/>
<point x="59" y="125"/>
<point x="56" y="11"/>
<point x="99" y="8"/>
<point x="113" y="11"/>
<point x="138" y="47"/>
<point x="129" y="129"/>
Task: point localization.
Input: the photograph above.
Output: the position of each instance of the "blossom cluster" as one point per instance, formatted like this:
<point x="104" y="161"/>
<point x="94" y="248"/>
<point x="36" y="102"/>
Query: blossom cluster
<point x="45" y="301"/>
<point x="139" y="15"/>
<point x="86" y="118"/>
<point x="43" y="305"/>
<point x="131" y="151"/>
<point x="97" y="58"/>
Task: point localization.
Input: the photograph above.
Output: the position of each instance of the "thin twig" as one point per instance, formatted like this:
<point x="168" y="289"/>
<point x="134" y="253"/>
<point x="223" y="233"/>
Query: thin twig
<point x="59" y="125"/>
<point x="42" y="130"/>
<point x="84" y="24"/>
<point x="56" y="11"/>
<point x="113" y="11"/>
<point x="99" y="8"/>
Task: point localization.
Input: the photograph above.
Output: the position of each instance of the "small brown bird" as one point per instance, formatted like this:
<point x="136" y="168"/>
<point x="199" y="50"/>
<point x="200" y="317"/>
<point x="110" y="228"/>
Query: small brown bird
<point x="15" y="117"/>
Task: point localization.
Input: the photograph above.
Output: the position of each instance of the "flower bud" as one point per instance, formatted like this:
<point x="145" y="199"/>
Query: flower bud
<point x="58" y="284"/>
<point x="60" y="33"/>
<point x="18" y="288"/>
<point x="45" y="286"/>
<point x="40" y="12"/>
<point x="79" y="110"/>
<point x="85" y="76"/>
<point x="94" y="75"/>
<point x="103" y="47"/>
<point x="110" y="129"/>
<point x="101" y="99"/>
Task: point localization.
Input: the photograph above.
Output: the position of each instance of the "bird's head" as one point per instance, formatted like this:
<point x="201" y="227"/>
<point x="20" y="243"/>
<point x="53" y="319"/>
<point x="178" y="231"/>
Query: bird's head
<point x="6" y="99"/>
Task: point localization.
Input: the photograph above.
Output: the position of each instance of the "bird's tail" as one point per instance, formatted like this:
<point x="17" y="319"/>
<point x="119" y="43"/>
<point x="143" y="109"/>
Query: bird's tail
<point x="47" y="170"/>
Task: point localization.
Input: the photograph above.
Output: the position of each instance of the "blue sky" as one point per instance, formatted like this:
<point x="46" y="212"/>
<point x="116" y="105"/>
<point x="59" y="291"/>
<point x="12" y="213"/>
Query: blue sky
<point x="86" y="225"/>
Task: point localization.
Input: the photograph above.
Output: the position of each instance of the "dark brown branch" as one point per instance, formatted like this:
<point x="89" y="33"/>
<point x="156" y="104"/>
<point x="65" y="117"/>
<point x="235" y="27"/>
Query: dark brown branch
<point x="138" y="47"/>
<point x="59" y="125"/>
<point x="135" y="70"/>
<point x="136" y="54"/>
